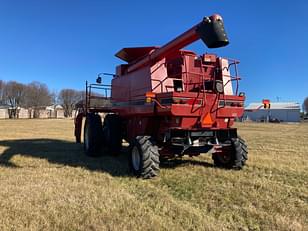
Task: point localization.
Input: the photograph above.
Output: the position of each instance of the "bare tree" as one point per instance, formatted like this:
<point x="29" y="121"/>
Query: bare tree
<point x="2" y="87"/>
<point x="54" y="97"/>
<point x="37" y="95"/>
<point x="14" y="95"/>
<point x="305" y="105"/>
<point x="68" y="99"/>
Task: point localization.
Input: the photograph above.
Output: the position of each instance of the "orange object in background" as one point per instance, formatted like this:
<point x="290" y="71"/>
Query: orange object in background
<point x="266" y="103"/>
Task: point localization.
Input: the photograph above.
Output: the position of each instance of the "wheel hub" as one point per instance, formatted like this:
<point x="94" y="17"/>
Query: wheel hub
<point x="135" y="158"/>
<point x="225" y="157"/>
<point x="86" y="139"/>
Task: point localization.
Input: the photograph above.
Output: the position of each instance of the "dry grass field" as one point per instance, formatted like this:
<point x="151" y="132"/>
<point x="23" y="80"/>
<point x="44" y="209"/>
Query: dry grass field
<point x="46" y="183"/>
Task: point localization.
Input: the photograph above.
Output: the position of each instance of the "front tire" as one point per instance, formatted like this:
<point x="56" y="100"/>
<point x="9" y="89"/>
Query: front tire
<point x="144" y="157"/>
<point x="233" y="156"/>
<point x="93" y="134"/>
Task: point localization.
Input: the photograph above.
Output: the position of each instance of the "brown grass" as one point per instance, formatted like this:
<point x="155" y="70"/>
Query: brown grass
<point x="46" y="183"/>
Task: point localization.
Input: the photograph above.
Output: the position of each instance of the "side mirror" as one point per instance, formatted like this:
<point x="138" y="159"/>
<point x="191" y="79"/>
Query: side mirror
<point x="99" y="80"/>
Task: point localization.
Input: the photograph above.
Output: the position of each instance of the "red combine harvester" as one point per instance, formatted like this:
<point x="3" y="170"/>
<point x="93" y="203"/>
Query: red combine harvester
<point x="169" y="102"/>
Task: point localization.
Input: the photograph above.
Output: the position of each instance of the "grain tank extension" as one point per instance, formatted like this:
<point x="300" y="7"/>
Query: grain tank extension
<point x="167" y="101"/>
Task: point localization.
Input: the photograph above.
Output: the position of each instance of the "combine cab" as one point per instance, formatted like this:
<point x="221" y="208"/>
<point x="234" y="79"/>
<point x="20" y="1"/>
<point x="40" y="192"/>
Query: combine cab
<point x="167" y="102"/>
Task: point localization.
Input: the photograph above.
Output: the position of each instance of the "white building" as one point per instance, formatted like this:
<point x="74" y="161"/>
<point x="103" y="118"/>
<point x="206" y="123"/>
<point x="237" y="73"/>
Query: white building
<point x="55" y="111"/>
<point x="23" y="113"/>
<point x="283" y="111"/>
<point x="4" y="112"/>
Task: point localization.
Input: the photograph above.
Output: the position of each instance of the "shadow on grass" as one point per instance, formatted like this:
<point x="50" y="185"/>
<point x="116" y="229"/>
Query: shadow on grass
<point x="71" y="154"/>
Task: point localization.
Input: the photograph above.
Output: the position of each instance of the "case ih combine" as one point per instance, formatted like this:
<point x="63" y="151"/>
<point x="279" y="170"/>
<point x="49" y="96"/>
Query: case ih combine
<point x="169" y="102"/>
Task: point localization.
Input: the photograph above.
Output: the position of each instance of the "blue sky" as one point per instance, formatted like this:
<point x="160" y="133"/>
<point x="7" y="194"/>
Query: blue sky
<point x="65" y="42"/>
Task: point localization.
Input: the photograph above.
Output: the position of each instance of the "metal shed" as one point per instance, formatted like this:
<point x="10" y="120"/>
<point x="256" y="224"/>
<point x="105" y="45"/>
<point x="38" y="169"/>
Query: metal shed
<point x="283" y="111"/>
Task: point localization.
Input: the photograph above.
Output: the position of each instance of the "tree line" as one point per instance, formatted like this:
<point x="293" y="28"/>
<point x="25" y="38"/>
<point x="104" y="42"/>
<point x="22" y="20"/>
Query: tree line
<point x="36" y="95"/>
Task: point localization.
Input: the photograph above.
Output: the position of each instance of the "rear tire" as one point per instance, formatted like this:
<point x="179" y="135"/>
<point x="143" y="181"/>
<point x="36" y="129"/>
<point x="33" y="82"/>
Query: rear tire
<point x="234" y="156"/>
<point x="112" y="133"/>
<point x="144" y="157"/>
<point x="93" y="134"/>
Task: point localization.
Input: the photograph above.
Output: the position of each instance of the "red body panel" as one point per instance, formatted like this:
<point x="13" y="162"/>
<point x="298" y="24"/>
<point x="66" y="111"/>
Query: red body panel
<point x="187" y="105"/>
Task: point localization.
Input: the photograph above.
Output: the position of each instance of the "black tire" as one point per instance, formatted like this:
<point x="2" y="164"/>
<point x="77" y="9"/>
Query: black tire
<point x="93" y="134"/>
<point x="143" y="149"/>
<point x="234" y="157"/>
<point x="112" y="133"/>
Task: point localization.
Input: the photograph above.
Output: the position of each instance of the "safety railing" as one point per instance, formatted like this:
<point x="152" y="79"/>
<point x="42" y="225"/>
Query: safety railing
<point x="229" y="72"/>
<point x="233" y="78"/>
<point x="185" y="76"/>
<point x="99" y="97"/>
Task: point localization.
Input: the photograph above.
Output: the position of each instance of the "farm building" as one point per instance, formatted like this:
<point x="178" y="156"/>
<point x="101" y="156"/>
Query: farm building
<point x="282" y="111"/>
<point x="23" y="113"/>
<point x="4" y="112"/>
<point x="55" y="111"/>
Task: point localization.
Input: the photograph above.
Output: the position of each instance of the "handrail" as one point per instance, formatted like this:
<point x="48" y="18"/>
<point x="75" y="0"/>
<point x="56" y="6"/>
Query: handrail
<point x="232" y="78"/>
<point x="105" y="87"/>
